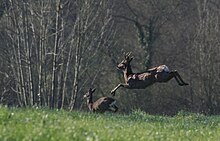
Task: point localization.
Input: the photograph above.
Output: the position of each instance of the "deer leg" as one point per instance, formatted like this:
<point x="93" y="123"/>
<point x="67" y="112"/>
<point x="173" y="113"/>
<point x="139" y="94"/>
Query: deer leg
<point x="116" y="108"/>
<point x="119" y="85"/>
<point x="166" y="77"/>
<point x="113" y="108"/>
<point x="113" y="91"/>
<point x="173" y="74"/>
<point x="170" y="76"/>
<point x="177" y="80"/>
<point x="177" y="76"/>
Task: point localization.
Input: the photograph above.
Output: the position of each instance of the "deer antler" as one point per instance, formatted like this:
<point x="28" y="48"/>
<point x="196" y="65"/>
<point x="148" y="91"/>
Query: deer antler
<point x="127" y="55"/>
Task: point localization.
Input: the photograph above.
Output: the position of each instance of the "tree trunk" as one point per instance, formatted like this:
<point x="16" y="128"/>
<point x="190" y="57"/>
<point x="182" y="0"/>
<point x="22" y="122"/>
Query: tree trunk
<point x="55" y="55"/>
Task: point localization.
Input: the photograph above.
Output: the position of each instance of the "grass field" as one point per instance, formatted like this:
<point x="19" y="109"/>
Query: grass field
<point x="52" y="125"/>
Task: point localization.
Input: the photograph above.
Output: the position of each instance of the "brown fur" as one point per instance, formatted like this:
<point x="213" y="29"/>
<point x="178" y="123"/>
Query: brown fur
<point x="102" y="104"/>
<point x="142" y="80"/>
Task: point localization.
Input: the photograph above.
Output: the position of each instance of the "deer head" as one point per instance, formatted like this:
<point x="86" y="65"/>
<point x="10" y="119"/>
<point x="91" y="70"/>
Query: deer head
<point x="126" y="62"/>
<point x="88" y="95"/>
<point x="102" y="104"/>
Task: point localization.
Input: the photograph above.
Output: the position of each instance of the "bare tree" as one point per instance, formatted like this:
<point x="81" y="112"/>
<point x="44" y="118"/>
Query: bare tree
<point x="205" y="51"/>
<point x="90" y="38"/>
<point x="47" y="38"/>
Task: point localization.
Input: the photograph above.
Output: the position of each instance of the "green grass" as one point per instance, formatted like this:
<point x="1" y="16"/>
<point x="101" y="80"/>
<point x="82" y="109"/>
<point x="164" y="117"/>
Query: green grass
<point x="52" y="125"/>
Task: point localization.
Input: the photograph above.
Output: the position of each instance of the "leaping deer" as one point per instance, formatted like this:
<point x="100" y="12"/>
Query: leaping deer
<point x="142" y="80"/>
<point x="102" y="104"/>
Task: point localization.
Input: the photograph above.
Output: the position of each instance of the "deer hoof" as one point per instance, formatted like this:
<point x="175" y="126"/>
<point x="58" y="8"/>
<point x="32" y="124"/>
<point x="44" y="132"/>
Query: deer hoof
<point x="113" y="93"/>
<point x="184" y="84"/>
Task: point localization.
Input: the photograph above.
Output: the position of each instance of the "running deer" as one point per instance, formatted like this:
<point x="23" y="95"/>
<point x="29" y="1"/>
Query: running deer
<point x="142" y="80"/>
<point x="102" y="104"/>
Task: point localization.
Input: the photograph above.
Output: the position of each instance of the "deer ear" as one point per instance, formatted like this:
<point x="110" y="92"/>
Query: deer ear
<point x="124" y="54"/>
<point x="93" y="90"/>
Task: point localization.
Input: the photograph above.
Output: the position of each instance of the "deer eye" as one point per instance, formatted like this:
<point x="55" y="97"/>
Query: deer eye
<point x="124" y="64"/>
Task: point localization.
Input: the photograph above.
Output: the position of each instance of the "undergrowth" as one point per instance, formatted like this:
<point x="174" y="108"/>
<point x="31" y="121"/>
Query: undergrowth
<point x="58" y="125"/>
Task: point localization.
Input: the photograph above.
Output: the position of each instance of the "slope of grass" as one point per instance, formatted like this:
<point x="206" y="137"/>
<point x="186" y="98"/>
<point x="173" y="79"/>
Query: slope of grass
<point x="48" y="125"/>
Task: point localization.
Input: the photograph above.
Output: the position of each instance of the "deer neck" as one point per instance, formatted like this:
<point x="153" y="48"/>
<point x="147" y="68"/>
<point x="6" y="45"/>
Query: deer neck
<point x="90" y="103"/>
<point x="127" y="72"/>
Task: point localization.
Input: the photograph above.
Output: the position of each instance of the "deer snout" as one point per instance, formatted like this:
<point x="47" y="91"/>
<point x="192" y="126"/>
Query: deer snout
<point x="84" y="96"/>
<point x="120" y="66"/>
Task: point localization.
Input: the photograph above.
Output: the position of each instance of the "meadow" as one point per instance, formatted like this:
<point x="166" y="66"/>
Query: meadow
<point x="59" y="125"/>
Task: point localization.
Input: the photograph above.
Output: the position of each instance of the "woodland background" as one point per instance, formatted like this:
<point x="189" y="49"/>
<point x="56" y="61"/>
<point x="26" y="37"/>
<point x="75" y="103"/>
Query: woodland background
<point x="52" y="51"/>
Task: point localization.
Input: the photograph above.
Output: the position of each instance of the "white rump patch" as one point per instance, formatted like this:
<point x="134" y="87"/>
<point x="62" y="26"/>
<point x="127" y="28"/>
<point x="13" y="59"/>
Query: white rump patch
<point x="163" y="68"/>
